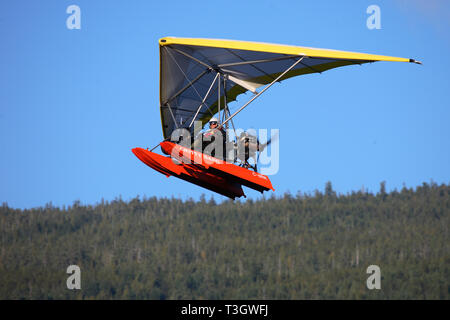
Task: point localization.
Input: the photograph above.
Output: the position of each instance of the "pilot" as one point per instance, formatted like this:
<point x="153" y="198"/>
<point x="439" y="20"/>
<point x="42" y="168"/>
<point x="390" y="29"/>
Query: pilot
<point x="216" y="133"/>
<point x="213" y="127"/>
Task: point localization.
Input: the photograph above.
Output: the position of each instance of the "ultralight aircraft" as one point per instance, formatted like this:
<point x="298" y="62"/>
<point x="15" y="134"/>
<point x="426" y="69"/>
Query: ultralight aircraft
<point x="199" y="77"/>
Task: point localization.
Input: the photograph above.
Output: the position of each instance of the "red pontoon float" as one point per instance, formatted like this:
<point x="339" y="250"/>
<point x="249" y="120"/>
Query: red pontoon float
<point x="211" y="173"/>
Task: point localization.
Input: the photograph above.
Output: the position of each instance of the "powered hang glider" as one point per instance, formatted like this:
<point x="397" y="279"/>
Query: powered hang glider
<point x="199" y="77"/>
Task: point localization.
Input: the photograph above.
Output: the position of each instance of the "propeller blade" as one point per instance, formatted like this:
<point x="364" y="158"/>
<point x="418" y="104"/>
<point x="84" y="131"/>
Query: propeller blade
<point x="264" y="145"/>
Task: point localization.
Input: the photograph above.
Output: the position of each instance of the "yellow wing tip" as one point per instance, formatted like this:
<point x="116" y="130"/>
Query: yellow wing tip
<point x="164" y="41"/>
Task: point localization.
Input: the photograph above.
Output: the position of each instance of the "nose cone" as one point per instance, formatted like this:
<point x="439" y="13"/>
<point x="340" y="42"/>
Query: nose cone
<point x="144" y="155"/>
<point x="138" y="152"/>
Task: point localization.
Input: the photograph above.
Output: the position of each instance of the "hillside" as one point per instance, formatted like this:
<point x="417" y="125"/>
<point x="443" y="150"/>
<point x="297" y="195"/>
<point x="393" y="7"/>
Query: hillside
<point x="304" y="246"/>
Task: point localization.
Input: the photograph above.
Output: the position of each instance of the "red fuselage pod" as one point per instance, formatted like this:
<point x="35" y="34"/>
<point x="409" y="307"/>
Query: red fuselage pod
<point x="189" y="172"/>
<point x="229" y="171"/>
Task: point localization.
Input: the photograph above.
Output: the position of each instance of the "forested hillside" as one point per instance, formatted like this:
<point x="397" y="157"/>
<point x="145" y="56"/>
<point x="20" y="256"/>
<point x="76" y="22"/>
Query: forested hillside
<point x="304" y="246"/>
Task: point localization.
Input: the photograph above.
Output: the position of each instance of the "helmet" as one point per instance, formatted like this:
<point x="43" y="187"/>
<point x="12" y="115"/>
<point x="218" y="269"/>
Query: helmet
<point x="214" y="120"/>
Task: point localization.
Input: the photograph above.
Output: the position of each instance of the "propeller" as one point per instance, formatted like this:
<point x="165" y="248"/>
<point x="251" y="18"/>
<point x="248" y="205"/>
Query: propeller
<point x="262" y="146"/>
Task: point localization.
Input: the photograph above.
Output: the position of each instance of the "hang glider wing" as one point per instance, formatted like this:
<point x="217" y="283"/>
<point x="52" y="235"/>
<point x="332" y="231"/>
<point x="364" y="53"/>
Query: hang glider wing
<point x="198" y="75"/>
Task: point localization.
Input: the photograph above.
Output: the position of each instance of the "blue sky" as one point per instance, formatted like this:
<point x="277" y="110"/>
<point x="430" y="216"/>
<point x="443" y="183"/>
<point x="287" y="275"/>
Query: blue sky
<point x="73" y="103"/>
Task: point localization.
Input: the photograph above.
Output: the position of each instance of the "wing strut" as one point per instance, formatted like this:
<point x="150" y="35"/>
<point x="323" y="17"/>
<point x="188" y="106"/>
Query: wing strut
<point x="204" y="99"/>
<point x="191" y="83"/>
<point x="240" y="63"/>
<point x="265" y="88"/>
<point x="171" y="113"/>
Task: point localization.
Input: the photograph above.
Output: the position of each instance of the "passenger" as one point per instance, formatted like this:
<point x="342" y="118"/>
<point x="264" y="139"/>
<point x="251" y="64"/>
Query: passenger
<point x="248" y="145"/>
